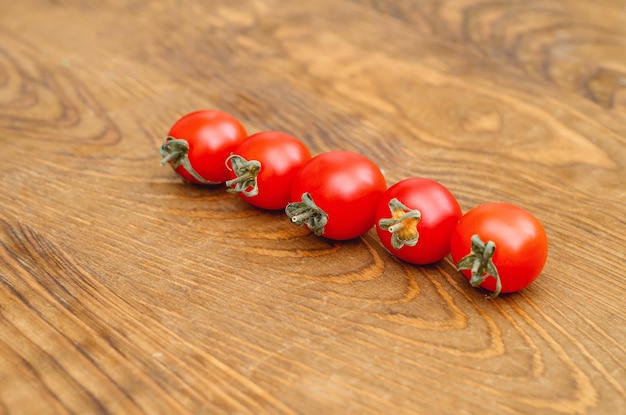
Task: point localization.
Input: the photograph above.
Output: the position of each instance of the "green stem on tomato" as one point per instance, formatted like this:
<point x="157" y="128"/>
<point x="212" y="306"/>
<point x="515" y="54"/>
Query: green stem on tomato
<point x="307" y="213"/>
<point x="402" y="224"/>
<point x="175" y="151"/>
<point x="246" y="172"/>
<point x="480" y="262"/>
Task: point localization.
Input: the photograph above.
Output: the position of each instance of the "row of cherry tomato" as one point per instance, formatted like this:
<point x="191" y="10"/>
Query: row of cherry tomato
<point x="341" y="195"/>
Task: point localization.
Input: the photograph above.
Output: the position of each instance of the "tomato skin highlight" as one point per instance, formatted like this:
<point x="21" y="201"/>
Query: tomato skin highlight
<point x="280" y="156"/>
<point x="439" y="213"/>
<point x="346" y="186"/>
<point x="211" y="136"/>
<point x="521" y="244"/>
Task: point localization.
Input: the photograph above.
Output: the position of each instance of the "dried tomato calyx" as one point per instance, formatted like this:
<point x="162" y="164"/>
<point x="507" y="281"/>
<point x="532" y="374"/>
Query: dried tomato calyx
<point x="175" y="151"/>
<point x="402" y="224"/>
<point x="480" y="262"/>
<point x="307" y="213"/>
<point x="246" y="172"/>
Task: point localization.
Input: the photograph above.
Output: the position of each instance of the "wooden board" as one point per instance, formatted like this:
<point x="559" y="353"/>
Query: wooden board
<point x="125" y="290"/>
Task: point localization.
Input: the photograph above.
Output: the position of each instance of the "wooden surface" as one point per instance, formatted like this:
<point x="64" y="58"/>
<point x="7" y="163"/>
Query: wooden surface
<point x="125" y="290"/>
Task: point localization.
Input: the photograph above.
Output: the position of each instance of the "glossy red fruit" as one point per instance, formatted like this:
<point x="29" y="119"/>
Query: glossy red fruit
<point x="335" y="195"/>
<point x="263" y="167"/>
<point x="415" y="218"/>
<point x="199" y="143"/>
<point x="500" y="247"/>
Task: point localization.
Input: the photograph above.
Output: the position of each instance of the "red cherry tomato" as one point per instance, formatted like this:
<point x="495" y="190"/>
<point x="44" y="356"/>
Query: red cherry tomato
<point x="500" y="247"/>
<point x="415" y="218"/>
<point x="199" y="143"/>
<point x="335" y="195"/>
<point x="264" y="166"/>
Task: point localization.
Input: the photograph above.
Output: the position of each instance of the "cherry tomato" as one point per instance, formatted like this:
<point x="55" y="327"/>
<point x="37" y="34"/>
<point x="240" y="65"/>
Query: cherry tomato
<point x="500" y="247"/>
<point x="415" y="218"/>
<point x="199" y="143"/>
<point x="335" y="195"/>
<point x="264" y="166"/>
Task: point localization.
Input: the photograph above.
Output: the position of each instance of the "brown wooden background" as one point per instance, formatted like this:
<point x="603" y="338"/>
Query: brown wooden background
<point x="124" y="290"/>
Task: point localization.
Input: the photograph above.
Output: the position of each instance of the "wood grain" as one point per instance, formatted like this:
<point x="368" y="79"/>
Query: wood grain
<point x="124" y="290"/>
